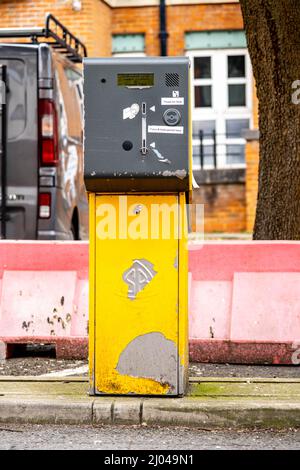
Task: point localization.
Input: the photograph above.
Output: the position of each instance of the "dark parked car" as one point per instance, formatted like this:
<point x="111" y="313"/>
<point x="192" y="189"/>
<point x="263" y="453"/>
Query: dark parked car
<point x="42" y="189"/>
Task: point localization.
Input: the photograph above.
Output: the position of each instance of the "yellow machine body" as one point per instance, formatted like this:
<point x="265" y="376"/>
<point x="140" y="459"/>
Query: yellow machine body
<point x="138" y="327"/>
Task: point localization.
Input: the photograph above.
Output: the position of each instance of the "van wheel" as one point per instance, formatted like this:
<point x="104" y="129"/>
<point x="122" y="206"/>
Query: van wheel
<point x="75" y="226"/>
<point x="73" y="232"/>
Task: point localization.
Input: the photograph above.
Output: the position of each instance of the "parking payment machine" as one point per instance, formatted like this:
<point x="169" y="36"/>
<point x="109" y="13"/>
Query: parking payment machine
<point x="137" y="173"/>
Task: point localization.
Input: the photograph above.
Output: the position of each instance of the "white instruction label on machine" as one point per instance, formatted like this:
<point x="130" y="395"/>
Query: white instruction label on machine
<point x="172" y="101"/>
<point x="165" y="130"/>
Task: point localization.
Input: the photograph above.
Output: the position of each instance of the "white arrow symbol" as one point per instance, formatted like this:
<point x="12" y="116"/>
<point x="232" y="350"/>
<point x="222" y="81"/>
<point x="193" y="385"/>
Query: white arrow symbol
<point x="152" y="145"/>
<point x="152" y="108"/>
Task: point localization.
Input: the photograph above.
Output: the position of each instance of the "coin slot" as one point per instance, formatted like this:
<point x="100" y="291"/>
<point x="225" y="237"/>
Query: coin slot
<point x="172" y="117"/>
<point x="127" y="145"/>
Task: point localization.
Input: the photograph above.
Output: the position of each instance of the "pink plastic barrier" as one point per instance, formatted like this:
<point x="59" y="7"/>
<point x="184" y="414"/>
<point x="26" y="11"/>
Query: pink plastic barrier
<point x="244" y="299"/>
<point x="244" y="302"/>
<point x="44" y="296"/>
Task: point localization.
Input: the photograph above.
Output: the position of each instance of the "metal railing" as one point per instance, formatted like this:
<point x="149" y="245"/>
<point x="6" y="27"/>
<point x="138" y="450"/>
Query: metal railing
<point x="211" y="151"/>
<point x="60" y="38"/>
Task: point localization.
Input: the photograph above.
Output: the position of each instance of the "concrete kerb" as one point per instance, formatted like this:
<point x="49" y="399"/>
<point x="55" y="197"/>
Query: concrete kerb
<point x="220" y="415"/>
<point x="193" y="412"/>
<point x="45" y="411"/>
<point x="213" y="403"/>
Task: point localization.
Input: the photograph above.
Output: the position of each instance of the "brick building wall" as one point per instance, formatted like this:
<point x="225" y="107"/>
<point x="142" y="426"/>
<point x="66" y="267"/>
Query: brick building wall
<point x="224" y="198"/>
<point x="252" y="167"/>
<point x="229" y="206"/>
<point x="252" y="152"/>
<point x="92" y="24"/>
<point x="180" y="19"/>
<point x="225" y="202"/>
<point x="138" y="20"/>
<point x="224" y="209"/>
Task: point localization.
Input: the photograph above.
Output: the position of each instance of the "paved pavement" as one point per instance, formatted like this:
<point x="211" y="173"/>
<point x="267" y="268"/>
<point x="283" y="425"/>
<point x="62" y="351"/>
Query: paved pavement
<point x="45" y="390"/>
<point x="138" y="437"/>
<point x="212" y="403"/>
<point x="34" y="366"/>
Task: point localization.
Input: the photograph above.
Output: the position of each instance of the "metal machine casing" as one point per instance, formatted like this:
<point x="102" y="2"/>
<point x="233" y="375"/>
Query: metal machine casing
<point x="137" y="149"/>
<point x="136" y="124"/>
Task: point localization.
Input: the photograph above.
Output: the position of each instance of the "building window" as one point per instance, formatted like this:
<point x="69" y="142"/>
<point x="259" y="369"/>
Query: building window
<point x="222" y="106"/>
<point x="128" y="45"/>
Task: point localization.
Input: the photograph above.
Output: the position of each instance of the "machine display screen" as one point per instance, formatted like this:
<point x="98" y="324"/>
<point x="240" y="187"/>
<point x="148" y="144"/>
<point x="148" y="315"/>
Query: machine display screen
<point x="136" y="79"/>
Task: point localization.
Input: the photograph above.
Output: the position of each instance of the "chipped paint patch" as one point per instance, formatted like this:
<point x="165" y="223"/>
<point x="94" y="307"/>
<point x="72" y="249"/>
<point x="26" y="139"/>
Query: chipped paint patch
<point x="181" y="174"/>
<point x="151" y="356"/>
<point x="139" y="274"/>
<point x="176" y="262"/>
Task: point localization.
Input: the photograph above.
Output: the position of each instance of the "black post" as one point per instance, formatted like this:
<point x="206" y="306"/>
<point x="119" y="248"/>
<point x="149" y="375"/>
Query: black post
<point x="201" y="148"/>
<point x="163" y="34"/>
<point x="3" y="150"/>
<point x="215" y="148"/>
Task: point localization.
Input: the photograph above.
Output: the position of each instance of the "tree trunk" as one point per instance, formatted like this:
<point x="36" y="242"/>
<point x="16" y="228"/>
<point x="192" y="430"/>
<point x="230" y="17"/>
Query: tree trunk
<point x="273" y="35"/>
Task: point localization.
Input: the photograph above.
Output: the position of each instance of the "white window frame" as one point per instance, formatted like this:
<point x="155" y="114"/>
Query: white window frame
<point x="220" y="111"/>
<point x="128" y="54"/>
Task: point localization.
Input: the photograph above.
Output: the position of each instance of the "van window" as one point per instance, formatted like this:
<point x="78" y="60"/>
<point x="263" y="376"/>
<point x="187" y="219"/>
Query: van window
<point x="16" y="97"/>
<point x="76" y="80"/>
<point x="71" y="102"/>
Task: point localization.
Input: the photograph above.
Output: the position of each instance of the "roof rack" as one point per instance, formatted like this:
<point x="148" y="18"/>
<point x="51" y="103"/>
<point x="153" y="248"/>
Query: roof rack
<point x="60" y="37"/>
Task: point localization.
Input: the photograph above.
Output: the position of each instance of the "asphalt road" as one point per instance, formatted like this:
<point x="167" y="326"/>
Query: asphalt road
<point x="16" y="437"/>
<point x="43" y="365"/>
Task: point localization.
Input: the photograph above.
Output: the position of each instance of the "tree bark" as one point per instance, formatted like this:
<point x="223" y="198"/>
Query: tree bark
<point x="273" y="36"/>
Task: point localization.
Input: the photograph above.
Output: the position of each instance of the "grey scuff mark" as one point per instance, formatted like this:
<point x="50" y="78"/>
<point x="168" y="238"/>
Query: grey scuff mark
<point x="183" y="380"/>
<point x="151" y="356"/>
<point x="181" y="174"/>
<point x="176" y="262"/>
<point x="140" y="273"/>
<point x="211" y="332"/>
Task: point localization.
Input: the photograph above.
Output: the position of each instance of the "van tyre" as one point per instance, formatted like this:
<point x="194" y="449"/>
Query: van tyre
<point x="74" y="235"/>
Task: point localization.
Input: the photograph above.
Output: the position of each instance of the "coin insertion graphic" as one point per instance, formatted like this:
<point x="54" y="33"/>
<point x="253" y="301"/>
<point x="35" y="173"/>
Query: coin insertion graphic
<point x="131" y="112"/>
<point x="139" y="274"/>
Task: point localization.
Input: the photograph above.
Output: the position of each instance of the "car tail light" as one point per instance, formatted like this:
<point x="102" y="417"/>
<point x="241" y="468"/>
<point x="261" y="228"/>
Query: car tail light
<point x="48" y="131"/>
<point x="44" y="205"/>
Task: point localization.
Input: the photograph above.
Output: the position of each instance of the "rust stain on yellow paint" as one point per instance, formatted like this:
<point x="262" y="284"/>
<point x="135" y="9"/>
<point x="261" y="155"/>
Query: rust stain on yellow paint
<point x="126" y="385"/>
